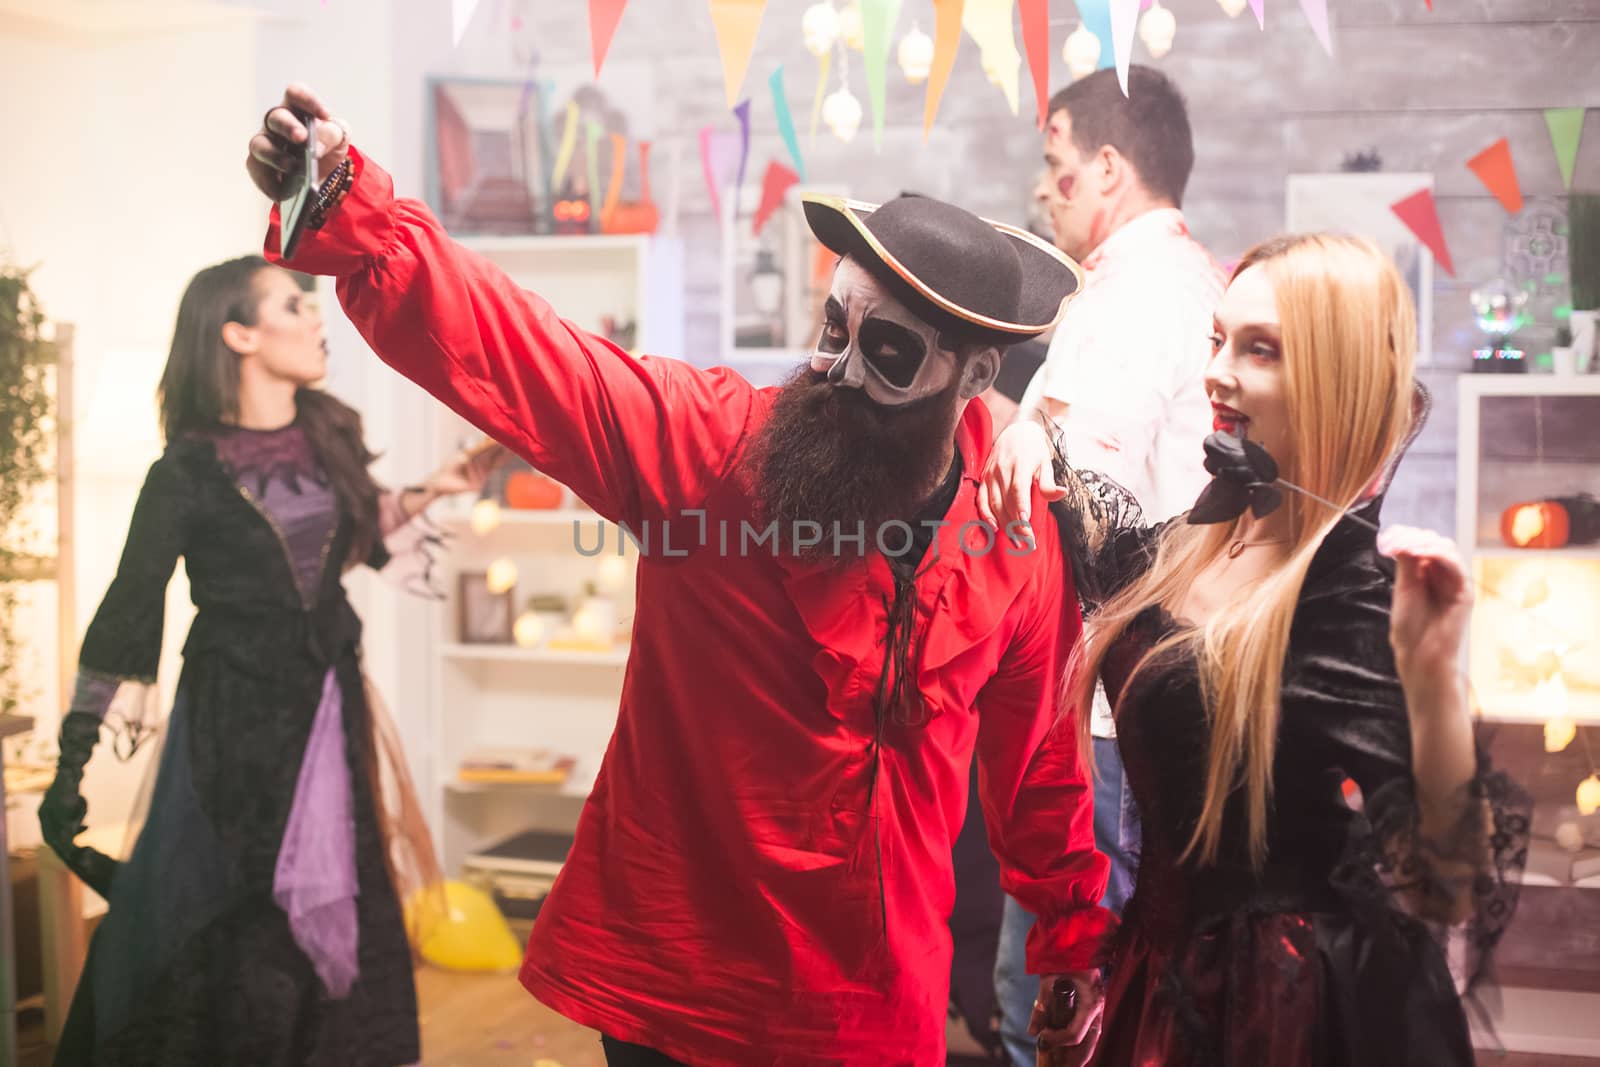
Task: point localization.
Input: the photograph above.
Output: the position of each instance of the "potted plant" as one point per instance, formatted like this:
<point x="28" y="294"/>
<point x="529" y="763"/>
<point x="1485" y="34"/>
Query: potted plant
<point x="25" y="361"/>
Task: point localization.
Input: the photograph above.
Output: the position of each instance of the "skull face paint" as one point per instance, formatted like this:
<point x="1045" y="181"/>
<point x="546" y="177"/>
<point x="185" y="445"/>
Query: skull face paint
<point x="872" y="342"/>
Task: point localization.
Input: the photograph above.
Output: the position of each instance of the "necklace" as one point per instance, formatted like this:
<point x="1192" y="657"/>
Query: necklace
<point x="1238" y="547"/>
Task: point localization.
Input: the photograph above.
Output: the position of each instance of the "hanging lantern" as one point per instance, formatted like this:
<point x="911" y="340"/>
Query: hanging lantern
<point x="1232" y="7"/>
<point x="852" y="30"/>
<point x="820" y="28"/>
<point x="1082" y="52"/>
<point x="502" y="576"/>
<point x="1569" y="837"/>
<point x="1589" y="795"/>
<point x="842" y="112"/>
<point x="916" y="56"/>
<point x="1157" y="29"/>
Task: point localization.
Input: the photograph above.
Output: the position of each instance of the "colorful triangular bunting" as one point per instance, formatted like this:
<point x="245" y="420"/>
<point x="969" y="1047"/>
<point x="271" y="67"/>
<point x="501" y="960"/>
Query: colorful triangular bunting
<point x="603" y="18"/>
<point x="775" y="185"/>
<point x="1036" y="43"/>
<point x="946" y="41"/>
<point x="780" y="104"/>
<point x="1494" y="168"/>
<point x="1317" y="14"/>
<point x="1421" y="216"/>
<point x="1566" y="130"/>
<point x="877" y="25"/>
<point x="737" y="23"/>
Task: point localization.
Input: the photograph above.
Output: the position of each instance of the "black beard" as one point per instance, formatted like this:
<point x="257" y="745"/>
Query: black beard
<point x="830" y="456"/>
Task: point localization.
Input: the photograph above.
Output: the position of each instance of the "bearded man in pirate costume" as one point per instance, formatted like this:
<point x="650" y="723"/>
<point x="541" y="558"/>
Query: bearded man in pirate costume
<point x="762" y="872"/>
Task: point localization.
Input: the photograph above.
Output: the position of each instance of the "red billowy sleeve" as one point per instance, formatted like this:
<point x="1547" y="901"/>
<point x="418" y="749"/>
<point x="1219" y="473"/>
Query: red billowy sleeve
<point x="1037" y="799"/>
<point x="636" y="438"/>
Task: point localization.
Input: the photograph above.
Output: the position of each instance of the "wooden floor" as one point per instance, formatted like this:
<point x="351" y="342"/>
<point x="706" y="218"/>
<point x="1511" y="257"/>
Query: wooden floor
<point x="491" y="1021"/>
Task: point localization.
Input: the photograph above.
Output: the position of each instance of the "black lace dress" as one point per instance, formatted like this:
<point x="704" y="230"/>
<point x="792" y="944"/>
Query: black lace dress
<point x="198" y="963"/>
<point x="1326" y="955"/>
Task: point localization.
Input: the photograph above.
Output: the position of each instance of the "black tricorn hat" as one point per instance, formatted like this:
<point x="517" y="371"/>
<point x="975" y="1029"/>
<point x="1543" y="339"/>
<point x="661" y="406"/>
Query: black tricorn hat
<point x="987" y="281"/>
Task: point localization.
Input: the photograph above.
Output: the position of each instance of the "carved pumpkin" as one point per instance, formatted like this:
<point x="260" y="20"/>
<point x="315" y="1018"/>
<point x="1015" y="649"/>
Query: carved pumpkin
<point x="529" y="491"/>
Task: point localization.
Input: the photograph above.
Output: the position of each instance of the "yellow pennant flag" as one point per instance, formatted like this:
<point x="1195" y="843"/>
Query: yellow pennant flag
<point x="736" y="22"/>
<point x="946" y="39"/>
<point x="989" y="23"/>
<point x="823" y="63"/>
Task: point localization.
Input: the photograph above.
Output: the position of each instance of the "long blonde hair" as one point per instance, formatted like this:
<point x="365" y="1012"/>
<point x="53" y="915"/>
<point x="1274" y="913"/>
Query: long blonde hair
<point x="1348" y="346"/>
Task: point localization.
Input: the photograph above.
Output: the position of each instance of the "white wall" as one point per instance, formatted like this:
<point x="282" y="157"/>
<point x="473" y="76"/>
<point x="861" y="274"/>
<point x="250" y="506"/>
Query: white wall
<point x="123" y="175"/>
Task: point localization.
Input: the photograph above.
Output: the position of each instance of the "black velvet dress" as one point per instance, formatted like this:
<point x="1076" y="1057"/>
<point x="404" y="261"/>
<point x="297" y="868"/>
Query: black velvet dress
<point x="195" y="963"/>
<point x="1325" y="956"/>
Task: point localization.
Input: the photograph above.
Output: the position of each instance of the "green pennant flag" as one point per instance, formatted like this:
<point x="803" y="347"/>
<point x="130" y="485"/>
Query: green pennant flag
<point x="877" y="22"/>
<point x="1566" y="130"/>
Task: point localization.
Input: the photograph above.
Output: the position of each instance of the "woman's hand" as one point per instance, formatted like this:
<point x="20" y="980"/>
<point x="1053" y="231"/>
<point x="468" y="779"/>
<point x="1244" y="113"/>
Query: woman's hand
<point x="468" y="471"/>
<point x="1431" y="608"/>
<point x="1021" y="459"/>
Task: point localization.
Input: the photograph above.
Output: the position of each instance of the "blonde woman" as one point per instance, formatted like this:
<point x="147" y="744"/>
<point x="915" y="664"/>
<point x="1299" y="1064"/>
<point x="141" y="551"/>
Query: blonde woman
<point x="1289" y="706"/>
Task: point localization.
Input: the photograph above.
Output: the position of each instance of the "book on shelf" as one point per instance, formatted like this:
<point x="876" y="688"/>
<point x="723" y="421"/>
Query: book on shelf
<point x="516" y="766"/>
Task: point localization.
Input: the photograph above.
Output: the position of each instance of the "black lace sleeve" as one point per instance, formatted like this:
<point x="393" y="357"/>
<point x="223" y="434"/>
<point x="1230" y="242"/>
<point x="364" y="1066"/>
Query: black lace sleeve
<point x="1102" y="530"/>
<point x="1343" y="694"/>
<point x="124" y="640"/>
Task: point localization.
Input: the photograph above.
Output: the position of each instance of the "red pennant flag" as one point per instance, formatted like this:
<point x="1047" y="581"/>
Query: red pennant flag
<point x="603" y="18"/>
<point x="1494" y="168"/>
<point x="1421" y="217"/>
<point x="1036" y="42"/>
<point x="774" y="187"/>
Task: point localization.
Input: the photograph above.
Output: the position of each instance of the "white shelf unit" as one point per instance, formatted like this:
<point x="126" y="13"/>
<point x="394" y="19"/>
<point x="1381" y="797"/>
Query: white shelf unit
<point x="1541" y="598"/>
<point x="503" y="695"/>
<point x="1531" y="598"/>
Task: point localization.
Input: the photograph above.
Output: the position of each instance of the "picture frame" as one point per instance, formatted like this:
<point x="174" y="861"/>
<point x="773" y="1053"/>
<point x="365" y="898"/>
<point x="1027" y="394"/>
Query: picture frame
<point x="482" y="617"/>
<point x="500" y="159"/>
<point x="1359" y="203"/>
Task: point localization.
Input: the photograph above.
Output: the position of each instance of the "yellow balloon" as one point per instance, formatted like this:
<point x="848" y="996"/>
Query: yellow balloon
<point x="471" y="935"/>
<point x="1589" y="795"/>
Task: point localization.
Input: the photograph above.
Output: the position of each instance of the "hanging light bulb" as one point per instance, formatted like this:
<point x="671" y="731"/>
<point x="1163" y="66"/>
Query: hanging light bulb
<point x="528" y="630"/>
<point x="852" y="30"/>
<point x="485" y="516"/>
<point x="1559" y="730"/>
<point x="1232" y="7"/>
<point x="611" y="575"/>
<point x="820" y="28"/>
<point x="1082" y="52"/>
<point x="842" y="112"/>
<point x="1589" y="795"/>
<point x="502" y="576"/>
<point x="916" y="56"/>
<point x="1157" y="29"/>
<point x="1558" y="734"/>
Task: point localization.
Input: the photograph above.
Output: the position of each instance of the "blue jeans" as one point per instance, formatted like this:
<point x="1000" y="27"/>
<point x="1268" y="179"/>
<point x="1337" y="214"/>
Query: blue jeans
<point x="1116" y="833"/>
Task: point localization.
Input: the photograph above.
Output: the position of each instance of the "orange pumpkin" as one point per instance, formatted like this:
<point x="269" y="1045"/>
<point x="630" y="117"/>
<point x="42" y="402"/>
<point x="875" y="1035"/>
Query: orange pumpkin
<point x="530" y="491"/>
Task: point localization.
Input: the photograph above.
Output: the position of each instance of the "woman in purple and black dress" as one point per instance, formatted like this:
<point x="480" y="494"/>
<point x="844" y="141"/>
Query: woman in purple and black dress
<point x="256" y="919"/>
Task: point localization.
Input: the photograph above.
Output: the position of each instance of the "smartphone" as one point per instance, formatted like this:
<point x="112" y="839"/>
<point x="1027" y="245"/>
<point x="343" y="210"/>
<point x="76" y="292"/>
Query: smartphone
<point x="294" y="212"/>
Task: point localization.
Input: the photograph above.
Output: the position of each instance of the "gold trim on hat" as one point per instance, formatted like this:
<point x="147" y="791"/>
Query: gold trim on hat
<point x="848" y="209"/>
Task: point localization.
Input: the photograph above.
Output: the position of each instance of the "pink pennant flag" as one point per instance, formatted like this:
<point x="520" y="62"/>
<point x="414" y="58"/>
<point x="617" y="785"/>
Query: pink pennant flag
<point x="1260" y="8"/>
<point x="718" y="158"/>
<point x="1317" y="14"/>
<point x="603" y="18"/>
<point x="1421" y="217"/>
<point x="775" y="185"/>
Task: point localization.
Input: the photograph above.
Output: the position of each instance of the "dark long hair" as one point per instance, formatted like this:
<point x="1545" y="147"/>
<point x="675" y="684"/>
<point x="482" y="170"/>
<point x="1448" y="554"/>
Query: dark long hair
<point x="199" y="391"/>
